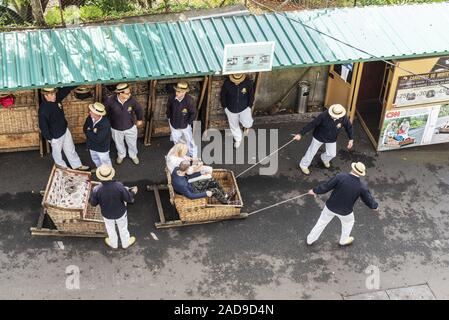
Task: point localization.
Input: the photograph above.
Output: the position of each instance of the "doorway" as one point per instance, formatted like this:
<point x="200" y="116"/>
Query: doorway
<point x="370" y="98"/>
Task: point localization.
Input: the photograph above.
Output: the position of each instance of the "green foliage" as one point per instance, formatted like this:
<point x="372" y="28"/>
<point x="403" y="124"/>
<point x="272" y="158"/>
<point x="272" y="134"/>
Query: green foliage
<point x="53" y="17"/>
<point x="91" y="13"/>
<point x="71" y="15"/>
<point x="112" y="6"/>
<point x="444" y="111"/>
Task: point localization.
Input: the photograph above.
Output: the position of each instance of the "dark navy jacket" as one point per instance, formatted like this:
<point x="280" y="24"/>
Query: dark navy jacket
<point x="52" y="122"/>
<point x="237" y="98"/>
<point x="183" y="187"/>
<point x="347" y="189"/>
<point x="98" y="136"/>
<point x="326" y="130"/>
<point x="111" y="195"/>
<point x="181" y="113"/>
<point x="121" y="116"/>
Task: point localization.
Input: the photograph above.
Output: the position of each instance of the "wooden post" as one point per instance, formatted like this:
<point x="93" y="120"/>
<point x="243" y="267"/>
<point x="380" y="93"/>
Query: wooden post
<point x="256" y="90"/>
<point x="203" y="91"/>
<point x="41" y="142"/>
<point x="150" y="113"/>
<point x="147" y="120"/>
<point x="99" y="92"/>
<point x="209" y="94"/>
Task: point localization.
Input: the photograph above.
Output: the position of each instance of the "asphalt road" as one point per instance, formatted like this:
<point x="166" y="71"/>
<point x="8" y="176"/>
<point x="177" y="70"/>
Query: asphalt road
<point x="261" y="257"/>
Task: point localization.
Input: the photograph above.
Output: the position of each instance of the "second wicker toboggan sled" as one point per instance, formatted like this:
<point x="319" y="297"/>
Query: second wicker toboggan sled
<point x="198" y="211"/>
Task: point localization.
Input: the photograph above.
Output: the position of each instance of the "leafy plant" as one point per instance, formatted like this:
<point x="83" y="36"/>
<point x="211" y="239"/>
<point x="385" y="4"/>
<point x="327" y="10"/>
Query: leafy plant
<point x="53" y="16"/>
<point x="71" y="15"/>
<point x="91" y="13"/>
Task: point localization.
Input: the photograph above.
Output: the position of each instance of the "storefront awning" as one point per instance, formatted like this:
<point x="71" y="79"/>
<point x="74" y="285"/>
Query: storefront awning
<point x="38" y="58"/>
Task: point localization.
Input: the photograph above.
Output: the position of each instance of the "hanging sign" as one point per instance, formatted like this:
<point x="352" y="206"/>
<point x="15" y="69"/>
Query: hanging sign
<point x="248" y="57"/>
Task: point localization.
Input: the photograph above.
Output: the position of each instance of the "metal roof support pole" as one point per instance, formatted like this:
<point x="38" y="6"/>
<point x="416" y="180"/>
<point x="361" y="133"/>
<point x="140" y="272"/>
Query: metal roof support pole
<point x="147" y="120"/>
<point x="256" y="90"/>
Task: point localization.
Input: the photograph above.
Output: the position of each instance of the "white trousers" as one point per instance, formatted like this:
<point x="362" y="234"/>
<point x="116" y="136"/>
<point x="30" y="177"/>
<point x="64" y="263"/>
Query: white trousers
<point x="130" y="136"/>
<point x="100" y="158"/>
<point x="122" y="224"/>
<point x="331" y="152"/>
<point x="65" y="143"/>
<point x="184" y="134"/>
<point x="347" y="222"/>
<point x="245" y="118"/>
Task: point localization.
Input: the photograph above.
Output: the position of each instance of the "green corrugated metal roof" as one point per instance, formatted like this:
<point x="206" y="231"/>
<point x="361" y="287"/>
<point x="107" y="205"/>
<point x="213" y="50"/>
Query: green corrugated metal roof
<point x="190" y="48"/>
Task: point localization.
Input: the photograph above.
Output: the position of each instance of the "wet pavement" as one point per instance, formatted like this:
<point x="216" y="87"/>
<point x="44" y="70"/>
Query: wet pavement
<point x="261" y="257"/>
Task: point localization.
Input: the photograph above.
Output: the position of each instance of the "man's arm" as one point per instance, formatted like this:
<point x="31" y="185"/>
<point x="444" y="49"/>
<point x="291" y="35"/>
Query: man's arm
<point x="192" y="111"/>
<point x="100" y="135"/>
<point x="43" y="126"/>
<point x="127" y="195"/>
<point x="327" y="186"/>
<point x="348" y="127"/>
<point x="93" y="199"/>
<point x="223" y="96"/>
<point x="138" y="109"/>
<point x="368" y="199"/>
<point x="312" y="124"/>
<point x="187" y="193"/>
<point x="63" y="92"/>
<point x="251" y="89"/>
<point x="169" y="103"/>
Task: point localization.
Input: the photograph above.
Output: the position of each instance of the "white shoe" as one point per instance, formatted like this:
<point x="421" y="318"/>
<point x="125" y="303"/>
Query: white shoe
<point x="245" y="132"/>
<point x="327" y="164"/>
<point x="347" y="243"/>
<point x="236" y="144"/>
<point x="304" y="170"/>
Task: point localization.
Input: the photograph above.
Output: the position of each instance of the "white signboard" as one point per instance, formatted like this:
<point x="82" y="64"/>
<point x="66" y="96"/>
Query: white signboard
<point x="248" y="57"/>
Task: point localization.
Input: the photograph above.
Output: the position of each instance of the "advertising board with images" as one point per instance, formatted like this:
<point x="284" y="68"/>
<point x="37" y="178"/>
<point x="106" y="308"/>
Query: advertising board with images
<point x="413" y="127"/>
<point x="424" y="88"/>
<point x="248" y="57"/>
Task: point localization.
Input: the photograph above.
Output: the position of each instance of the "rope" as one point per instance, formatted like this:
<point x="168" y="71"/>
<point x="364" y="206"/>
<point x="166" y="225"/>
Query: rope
<point x="265" y="158"/>
<point x="278" y="203"/>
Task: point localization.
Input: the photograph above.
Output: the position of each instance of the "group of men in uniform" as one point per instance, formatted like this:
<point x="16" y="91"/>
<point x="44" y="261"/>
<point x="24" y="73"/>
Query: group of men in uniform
<point x="121" y="114"/>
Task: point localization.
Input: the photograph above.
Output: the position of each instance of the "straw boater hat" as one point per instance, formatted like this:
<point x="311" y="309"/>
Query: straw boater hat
<point x="237" y="78"/>
<point x="4" y="94"/>
<point x="48" y="90"/>
<point x="105" y="172"/>
<point x="121" y="87"/>
<point x="358" y="168"/>
<point x="337" y="111"/>
<point x="98" y="108"/>
<point x="182" y="86"/>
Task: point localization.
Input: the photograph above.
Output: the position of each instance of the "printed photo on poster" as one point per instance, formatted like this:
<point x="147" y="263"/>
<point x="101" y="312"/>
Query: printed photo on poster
<point x="441" y="128"/>
<point x="403" y="128"/>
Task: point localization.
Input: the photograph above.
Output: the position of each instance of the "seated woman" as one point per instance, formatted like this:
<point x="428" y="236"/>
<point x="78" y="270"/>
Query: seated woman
<point x="178" y="153"/>
<point x="198" y="189"/>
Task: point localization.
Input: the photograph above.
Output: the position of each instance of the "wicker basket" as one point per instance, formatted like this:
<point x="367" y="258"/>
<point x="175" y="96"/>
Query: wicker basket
<point x="19" y="128"/>
<point x="79" y="218"/>
<point x="206" y="209"/>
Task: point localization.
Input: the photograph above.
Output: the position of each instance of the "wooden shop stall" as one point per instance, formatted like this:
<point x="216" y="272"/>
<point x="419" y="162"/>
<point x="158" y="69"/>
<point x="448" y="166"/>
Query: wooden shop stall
<point x="404" y="103"/>
<point x="19" y="127"/>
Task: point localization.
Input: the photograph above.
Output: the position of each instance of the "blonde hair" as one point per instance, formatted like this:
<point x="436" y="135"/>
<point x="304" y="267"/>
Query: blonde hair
<point x="179" y="150"/>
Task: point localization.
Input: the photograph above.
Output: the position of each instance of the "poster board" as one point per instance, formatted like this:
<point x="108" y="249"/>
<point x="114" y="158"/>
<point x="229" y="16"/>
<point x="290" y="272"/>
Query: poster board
<point x="416" y="89"/>
<point x="248" y="57"/>
<point x="414" y="127"/>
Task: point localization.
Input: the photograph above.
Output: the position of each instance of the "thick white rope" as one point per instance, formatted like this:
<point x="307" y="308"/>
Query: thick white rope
<point x="265" y="158"/>
<point x="278" y="203"/>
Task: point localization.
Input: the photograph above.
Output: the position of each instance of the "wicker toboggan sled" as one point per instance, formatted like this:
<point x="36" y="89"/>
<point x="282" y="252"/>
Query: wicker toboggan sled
<point x="202" y="210"/>
<point x="66" y="203"/>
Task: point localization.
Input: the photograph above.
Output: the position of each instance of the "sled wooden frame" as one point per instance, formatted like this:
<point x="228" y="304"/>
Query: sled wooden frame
<point x="163" y="223"/>
<point x="39" y="230"/>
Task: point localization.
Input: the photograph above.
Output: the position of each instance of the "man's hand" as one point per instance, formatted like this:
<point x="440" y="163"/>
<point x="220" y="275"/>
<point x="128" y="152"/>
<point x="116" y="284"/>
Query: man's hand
<point x="209" y="193"/>
<point x="377" y="209"/>
<point x="310" y="192"/>
<point x="139" y="123"/>
<point x="134" y="189"/>
<point x="297" y="137"/>
<point x="350" y="144"/>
